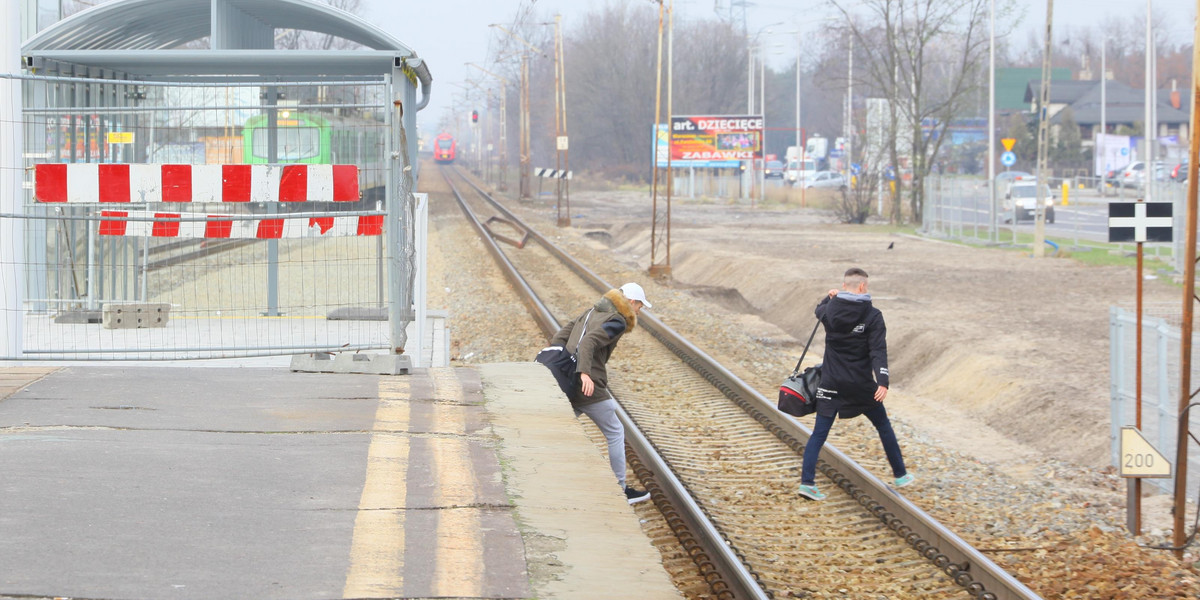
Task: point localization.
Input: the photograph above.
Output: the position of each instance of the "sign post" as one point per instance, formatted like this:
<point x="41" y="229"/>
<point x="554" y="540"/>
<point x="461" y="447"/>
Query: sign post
<point x="1138" y="222"/>
<point x="1139" y="458"/>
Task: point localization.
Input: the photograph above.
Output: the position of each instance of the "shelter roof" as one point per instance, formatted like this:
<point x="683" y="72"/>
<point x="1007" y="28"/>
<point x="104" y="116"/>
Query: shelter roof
<point x="153" y="40"/>
<point x="166" y="24"/>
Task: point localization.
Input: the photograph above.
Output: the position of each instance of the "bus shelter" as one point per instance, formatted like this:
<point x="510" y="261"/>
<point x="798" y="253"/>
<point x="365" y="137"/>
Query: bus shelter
<point x="157" y="133"/>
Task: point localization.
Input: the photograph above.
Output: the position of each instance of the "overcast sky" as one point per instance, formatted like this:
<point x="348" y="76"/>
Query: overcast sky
<point x="449" y="33"/>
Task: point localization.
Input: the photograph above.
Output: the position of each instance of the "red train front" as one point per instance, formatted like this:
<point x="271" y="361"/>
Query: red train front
<point x="444" y="148"/>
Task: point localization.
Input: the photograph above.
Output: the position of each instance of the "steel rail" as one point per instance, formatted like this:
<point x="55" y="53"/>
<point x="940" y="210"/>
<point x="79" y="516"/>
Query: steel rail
<point x="724" y="571"/>
<point x="968" y="567"/>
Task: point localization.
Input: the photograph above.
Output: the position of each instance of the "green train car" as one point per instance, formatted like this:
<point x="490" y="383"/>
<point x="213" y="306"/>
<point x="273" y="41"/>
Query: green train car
<point x="310" y="138"/>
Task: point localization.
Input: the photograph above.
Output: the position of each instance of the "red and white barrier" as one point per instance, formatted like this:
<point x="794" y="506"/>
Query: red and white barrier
<point x="138" y="183"/>
<point x="172" y="225"/>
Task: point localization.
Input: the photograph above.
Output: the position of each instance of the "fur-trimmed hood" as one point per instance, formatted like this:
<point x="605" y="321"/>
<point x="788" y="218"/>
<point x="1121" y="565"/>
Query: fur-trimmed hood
<point x="614" y="300"/>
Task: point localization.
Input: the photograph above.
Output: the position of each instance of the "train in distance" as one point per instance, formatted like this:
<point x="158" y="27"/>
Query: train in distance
<point x="444" y="149"/>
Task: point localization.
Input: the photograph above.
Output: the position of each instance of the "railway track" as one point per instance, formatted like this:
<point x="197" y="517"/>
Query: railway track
<point x="724" y="464"/>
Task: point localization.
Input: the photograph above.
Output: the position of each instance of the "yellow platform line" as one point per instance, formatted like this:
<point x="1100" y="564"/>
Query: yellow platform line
<point x="458" y="553"/>
<point x="377" y="550"/>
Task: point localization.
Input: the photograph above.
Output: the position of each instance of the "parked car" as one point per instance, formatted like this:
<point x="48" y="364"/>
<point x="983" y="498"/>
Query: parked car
<point x="1021" y="200"/>
<point x="827" y="180"/>
<point x="1112" y="178"/>
<point x="774" y="170"/>
<point x="1134" y="174"/>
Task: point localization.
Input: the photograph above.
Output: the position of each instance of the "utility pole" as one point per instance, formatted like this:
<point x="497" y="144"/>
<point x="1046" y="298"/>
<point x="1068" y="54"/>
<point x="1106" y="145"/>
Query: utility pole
<point x="502" y="185"/>
<point x="525" y="142"/>
<point x="1039" y="228"/>
<point x="562" y="162"/>
<point x="525" y="149"/>
<point x="657" y="236"/>
<point x="1182" y="435"/>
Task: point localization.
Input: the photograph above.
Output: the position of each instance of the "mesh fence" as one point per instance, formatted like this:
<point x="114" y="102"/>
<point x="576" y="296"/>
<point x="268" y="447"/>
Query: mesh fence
<point x="164" y="270"/>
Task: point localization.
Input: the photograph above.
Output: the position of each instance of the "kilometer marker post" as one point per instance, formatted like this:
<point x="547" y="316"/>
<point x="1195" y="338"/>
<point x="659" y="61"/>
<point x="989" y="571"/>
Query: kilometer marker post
<point x="1138" y="222"/>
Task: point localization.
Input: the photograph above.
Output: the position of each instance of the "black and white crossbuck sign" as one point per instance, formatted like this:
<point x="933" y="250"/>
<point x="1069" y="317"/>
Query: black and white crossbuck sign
<point x="1140" y="222"/>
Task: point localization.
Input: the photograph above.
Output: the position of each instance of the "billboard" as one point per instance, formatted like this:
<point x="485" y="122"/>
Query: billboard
<point x="715" y="141"/>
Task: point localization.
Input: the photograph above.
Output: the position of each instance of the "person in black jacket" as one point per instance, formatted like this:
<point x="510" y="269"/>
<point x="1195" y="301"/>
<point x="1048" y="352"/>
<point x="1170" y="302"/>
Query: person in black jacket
<point x="854" y="376"/>
<point x="595" y="334"/>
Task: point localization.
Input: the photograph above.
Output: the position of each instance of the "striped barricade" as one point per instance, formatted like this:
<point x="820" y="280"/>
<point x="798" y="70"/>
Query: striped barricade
<point x="552" y="173"/>
<point x="186" y="225"/>
<point x="148" y="183"/>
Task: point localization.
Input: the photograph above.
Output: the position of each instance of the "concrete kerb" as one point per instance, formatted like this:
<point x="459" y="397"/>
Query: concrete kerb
<point x="580" y="534"/>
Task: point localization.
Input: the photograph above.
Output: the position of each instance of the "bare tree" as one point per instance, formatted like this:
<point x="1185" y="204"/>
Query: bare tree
<point x="925" y="55"/>
<point x="610" y="89"/>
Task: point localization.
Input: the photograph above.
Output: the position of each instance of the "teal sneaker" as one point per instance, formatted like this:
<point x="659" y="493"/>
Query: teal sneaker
<point x="903" y="481"/>
<point x="811" y="492"/>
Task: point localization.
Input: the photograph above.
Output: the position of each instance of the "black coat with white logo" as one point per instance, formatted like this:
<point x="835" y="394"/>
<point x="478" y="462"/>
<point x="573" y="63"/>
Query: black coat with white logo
<point x="855" y="363"/>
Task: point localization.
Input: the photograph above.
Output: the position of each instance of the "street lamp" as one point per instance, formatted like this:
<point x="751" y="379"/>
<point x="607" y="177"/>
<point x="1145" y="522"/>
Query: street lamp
<point x="751" y="43"/>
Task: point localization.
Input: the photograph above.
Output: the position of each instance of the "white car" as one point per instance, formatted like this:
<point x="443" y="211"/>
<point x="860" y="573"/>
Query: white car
<point x="799" y="170"/>
<point x="826" y="179"/>
<point x="1021" y="200"/>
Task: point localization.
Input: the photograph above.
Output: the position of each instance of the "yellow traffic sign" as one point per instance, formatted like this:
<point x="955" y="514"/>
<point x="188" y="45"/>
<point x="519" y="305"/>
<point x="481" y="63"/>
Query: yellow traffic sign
<point x="120" y="137"/>
<point x="1008" y="143"/>
<point x="1139" y="458"/>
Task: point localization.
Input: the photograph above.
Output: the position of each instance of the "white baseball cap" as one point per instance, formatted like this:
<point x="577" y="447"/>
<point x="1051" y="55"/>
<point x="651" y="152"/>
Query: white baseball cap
<point x="634" y="291"/>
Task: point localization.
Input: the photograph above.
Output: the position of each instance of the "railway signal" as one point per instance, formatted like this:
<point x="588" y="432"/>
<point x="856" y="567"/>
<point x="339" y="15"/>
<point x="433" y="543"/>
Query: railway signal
<point x="474" y="116"/>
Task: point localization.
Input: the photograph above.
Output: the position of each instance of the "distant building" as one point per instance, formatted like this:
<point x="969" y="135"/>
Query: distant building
<point x="1123" y="106"/>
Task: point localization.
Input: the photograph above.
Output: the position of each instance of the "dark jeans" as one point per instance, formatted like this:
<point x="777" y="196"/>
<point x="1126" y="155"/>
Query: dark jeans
<point x="878" y="416"/>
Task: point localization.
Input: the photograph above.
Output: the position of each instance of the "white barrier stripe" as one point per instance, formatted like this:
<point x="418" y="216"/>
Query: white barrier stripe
<point x="264" y="183"/>
<point x="343" y="226"/>
<point x="145" y="183"/>
<point x="206" y="183"/>
<point x="294" y="228"/>
<point x="139" y="228"/>
<point x="320" y="182"/>
<point x="83" y="183"/>
<point x="192" y="229"/>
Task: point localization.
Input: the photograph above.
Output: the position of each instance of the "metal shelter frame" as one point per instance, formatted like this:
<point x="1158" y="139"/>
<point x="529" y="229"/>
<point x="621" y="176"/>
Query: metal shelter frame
<point x="159" y="42"/>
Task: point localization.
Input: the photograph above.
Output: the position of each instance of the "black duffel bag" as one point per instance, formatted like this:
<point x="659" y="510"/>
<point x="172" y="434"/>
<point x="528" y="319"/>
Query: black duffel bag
<point x="798" y="393"/>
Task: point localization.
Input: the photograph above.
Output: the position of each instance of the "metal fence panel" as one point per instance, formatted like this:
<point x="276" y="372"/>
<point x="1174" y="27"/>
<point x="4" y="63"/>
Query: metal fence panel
<point x="1160" y="384"/>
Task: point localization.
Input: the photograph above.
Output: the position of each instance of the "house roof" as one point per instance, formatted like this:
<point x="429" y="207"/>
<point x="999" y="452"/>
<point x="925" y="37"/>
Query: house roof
<point x="1122" y="104"/>
<point x="1012" y="83"/>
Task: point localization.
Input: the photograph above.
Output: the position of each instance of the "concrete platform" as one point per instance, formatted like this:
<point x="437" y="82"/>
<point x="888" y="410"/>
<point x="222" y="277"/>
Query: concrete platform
<point x="164" y="482"/>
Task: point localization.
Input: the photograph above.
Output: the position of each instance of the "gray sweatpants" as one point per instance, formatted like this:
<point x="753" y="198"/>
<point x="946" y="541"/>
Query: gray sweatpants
<point x="604" y="415"/>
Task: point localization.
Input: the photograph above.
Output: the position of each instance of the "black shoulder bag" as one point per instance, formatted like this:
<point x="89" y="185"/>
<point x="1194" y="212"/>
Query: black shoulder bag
<point x="562" y="363"/>
<point x="798" y="393"/>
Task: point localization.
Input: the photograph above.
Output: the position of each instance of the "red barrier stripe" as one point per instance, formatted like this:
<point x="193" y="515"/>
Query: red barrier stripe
<point x="114" y="183"/>
<point x="370" y="225"/>
<point x="235" y="183"/>
<point x="113" y="227"/>
<point x="177" y="183"/>
<point x="293" y="183"/>
<point x="168" y="228"/>
<point x="51" y="182"/>
<point x="345" y="183"/>
<point x="325" y="223"/>
<point x="270" y="229"/>
<point x="216" y="227"/>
